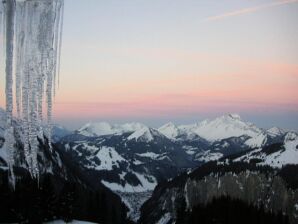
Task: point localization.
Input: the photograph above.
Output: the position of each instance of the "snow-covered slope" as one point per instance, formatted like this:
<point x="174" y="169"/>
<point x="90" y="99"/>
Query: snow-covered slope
<point x="128" y="162"/>
<point x="170" y="130"/>
<point x="275" y="155"/>
<point x="145" y="134"/>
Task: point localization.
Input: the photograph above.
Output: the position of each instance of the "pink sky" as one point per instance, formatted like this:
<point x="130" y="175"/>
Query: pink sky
<point x="147" y="60"/>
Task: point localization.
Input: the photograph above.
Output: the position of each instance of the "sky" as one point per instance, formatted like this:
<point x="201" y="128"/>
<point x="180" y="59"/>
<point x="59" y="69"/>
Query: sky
<point x="181" y="61"/>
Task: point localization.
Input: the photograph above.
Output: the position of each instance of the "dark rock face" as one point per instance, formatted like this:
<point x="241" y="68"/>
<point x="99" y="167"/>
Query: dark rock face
<point x="226" y="210"/>
<point x="262" y="187"/>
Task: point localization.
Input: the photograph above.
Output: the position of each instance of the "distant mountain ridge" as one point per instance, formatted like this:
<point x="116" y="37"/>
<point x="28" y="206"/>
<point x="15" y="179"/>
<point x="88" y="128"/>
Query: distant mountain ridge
<point x="226" y="126"/>
<point x="134" y="157"/>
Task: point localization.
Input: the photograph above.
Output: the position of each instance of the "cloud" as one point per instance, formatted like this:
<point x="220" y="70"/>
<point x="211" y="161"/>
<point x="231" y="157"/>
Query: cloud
<point x="249" y="10"/>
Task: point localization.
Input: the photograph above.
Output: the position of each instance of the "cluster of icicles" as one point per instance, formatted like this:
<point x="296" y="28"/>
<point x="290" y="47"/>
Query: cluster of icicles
<point x="31" y="33"/>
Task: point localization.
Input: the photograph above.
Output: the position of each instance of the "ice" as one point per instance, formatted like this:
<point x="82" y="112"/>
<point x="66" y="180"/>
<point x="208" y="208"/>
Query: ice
<point x="10" y="9"/>
<point x="31" y="31"/>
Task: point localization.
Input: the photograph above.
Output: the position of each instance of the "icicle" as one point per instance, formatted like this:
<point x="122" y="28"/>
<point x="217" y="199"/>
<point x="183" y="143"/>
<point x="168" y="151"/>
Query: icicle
<point x="60" y="41"/>
<point x="2" y="36"/>
<point x="10" y="12"/>
<point x="20" y="26"/>
<point x="9" y="134"/>
<point x="37" y="35"/>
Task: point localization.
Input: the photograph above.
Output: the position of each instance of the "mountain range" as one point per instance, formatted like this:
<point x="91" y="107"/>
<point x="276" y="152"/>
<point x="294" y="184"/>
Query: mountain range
<point x="130" y="162"/>
<point x="133" y="158"/>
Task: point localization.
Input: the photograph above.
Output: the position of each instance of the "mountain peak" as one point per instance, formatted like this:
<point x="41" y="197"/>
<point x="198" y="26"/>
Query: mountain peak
<point x="96" y="129"/>
<point x="170" y="130"/>
<point x="275" y="131"/>
<point x="233" y="116"/>
<point x="169" y="124"/>
<point x="104" y="128"/>
<point x="143" y="133"/>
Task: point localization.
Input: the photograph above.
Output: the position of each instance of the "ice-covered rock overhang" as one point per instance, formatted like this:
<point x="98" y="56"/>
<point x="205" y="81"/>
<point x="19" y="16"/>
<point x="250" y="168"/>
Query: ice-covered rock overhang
<point x="31" y="34"/>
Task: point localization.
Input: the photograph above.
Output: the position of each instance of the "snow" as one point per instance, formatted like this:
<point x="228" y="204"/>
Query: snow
<point x="226" y="144"/>
<point x="169" y="130"/>
<point x="291" y="136"/>
<point x="249" y="155"/>
<point x="104" y="128"/>
<point x="148" y="183"/>
<point x="165" y="219"/>
<point x="189" y="149"/>
<point x="137" y="162"/>
<point x="257" y="141"/>
<point x="97" y="129"/>
<point x="90" y="148"/>
<point x="108" y="158"/>
<point x="137" y="131"/>
<point x="277" y="159"/>
<point x="134" y="201"/>
<point x="143" y="134"/>
<point x="208" y="156"/>
<point x="288" y="156"/>
<point x="275" y="131"/>
<point x="151" y="155"/>
<point x="223" y="127"/>
<point x="226" y="126"/>
<point x="67" y="147"/>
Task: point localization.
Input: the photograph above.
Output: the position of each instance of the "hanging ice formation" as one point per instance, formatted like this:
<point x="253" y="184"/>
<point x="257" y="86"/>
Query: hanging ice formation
<point x="31" y="33"/>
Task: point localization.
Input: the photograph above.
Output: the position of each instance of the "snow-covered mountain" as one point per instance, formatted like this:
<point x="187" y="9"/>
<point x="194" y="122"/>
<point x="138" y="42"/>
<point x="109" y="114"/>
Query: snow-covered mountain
<point x="105" y="128"/>
<point x="224" y="127"/>
<point x="132" y="158"/>
<point x="139" y="156"/>
<point x="170" y="130"/>
<point x="129" y="162"/>
<point x="275" y="155"/>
